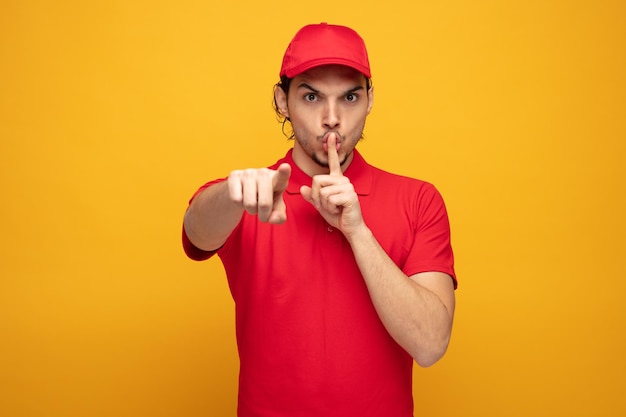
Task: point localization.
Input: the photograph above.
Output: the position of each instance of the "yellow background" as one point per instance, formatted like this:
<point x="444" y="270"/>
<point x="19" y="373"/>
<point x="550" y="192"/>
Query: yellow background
<point x="112" y="113"/>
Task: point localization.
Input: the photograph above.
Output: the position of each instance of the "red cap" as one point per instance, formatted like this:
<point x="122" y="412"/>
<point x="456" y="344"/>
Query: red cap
<point x="325" y="44"/>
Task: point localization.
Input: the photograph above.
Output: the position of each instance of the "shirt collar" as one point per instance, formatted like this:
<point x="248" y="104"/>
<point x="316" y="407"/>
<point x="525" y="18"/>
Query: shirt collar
<point x="359" y="172"/>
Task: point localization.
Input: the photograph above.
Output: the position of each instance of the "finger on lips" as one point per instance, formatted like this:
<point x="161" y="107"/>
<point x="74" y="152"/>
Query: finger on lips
<point x="333" y="155"/>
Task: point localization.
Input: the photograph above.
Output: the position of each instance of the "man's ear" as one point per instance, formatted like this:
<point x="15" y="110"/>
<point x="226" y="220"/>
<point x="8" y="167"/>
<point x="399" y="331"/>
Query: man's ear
<point x="281" y="101"/>
<point x="370" y="99"/>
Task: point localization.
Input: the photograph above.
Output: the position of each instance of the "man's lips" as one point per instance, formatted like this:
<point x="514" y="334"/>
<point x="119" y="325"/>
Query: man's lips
<point x="337" y="140"/>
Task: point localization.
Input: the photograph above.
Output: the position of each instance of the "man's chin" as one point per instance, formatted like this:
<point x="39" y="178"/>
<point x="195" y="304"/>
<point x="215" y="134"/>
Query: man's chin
<point x="324" y="163"/>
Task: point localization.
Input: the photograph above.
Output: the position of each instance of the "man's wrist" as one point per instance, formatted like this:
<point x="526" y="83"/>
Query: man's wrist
<point x="359" y="234"/>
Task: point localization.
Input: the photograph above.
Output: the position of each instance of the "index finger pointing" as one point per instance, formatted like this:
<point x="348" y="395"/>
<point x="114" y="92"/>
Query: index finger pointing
<point x="333" y="155"/>
<point x="281" y="179"/>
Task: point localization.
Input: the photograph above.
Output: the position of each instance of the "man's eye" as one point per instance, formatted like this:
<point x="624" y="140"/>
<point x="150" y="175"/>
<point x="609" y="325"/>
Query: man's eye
<point x="351" y="97"/>
<point x="310" y="97"/>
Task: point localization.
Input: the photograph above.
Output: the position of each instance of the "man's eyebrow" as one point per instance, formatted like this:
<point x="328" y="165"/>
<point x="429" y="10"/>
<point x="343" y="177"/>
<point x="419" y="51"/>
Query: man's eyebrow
<point x="308" y="87"/>
<point x="352" y="90"/>
<point x="355" y="89"/>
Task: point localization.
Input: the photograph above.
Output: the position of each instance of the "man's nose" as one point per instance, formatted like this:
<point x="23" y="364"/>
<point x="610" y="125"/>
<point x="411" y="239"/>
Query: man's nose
<point x="331" y="115"/>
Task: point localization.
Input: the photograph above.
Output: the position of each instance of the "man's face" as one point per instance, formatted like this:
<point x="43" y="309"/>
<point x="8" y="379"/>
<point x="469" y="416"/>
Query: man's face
<point x="331" y="98"/>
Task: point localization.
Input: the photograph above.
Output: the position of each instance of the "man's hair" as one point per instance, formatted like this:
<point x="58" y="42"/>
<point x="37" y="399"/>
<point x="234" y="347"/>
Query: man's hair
<point x="284" y="84"/>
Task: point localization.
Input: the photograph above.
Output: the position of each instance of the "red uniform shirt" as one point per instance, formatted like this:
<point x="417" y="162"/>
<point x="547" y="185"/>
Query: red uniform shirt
<point x="310" y="342"/>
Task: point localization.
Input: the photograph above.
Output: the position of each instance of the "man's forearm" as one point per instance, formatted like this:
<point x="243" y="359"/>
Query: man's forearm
<point x="211" y="217"/>
<point x="414" y="315"/>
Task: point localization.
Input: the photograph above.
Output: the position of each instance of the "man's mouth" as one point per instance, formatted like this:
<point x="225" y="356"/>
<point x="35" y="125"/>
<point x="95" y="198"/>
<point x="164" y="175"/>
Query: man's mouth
<point x="338" y="140"/>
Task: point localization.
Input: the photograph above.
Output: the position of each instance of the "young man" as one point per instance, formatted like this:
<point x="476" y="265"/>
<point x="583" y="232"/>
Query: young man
<point x="342" y="274"/>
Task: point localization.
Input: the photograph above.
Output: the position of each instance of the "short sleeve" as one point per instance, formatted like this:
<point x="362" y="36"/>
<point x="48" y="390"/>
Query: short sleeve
<point x="431" y="249"/>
